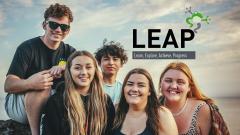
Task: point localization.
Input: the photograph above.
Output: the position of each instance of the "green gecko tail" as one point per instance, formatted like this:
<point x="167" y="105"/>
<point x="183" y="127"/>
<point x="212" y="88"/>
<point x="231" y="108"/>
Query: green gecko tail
<point x="189" y="21"/>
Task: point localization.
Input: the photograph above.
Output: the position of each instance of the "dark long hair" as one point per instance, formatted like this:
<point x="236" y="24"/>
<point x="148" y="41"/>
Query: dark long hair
<point x="151" y="109"/>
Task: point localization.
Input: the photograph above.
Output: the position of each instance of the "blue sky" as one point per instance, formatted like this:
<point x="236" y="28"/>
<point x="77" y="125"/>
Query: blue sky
<point x="216" y="67"/>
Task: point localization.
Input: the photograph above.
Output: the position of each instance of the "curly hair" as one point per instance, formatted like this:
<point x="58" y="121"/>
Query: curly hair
<point x="111" y="48"/>
<point x="57" y="10"/>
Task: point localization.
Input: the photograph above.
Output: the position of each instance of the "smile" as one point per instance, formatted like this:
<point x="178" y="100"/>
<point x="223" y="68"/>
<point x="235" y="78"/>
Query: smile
<point x="173" y="92"/>
<point x="134" y="94"/>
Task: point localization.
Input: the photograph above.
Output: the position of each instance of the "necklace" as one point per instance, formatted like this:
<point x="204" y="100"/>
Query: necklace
<point x="181" y="110"/>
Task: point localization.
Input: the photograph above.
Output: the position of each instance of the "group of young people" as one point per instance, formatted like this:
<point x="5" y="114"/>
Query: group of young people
<point x="60" y="91"/>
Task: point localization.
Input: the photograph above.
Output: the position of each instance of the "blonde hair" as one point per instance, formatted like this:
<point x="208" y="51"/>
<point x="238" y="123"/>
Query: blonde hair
<point x="95" y="114"/>
<point x="195" y="91"/>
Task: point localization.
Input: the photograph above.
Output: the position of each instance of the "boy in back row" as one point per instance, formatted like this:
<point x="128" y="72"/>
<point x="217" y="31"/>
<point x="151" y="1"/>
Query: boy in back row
<point x="111" y="57"/>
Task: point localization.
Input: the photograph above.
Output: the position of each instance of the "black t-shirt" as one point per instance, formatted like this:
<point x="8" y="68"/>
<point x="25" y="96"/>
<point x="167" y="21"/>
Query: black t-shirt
<point x="55" y="121"/>
<point x="33" y="56"/>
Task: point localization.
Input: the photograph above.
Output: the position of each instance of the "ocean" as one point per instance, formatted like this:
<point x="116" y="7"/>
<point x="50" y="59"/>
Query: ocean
<point x="229" y="108"/>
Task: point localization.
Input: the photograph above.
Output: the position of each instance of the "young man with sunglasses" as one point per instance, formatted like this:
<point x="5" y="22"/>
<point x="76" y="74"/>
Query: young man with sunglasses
<point x="37" y="66"/>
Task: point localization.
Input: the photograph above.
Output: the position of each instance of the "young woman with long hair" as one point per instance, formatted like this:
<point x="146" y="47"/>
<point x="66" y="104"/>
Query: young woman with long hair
<point x="193" y="112"/>
<point x="139" y="112"/>
<point x="80" y="107"/>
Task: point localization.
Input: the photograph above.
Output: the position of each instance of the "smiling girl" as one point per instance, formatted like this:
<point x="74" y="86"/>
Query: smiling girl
<point x="80" y="107"/>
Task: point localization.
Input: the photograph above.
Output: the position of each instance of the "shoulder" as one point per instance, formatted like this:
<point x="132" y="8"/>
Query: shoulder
<point x="201" y="105"/>
<point x="119" y="85"/>
<point x="204" y="112"/>
<point x="164" y="113"/>
<point x="68" y="47"/>
<point x="167" y="122"/>
<point x="119" y="82"/>
<point x="28" y="43"/>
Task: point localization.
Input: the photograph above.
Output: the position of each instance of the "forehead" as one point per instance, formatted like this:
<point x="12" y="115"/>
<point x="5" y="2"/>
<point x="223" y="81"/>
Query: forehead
<point x="110" y="56"/>
<point x="138" y="78"/>
<point x="173" y="73"/>
<point x="82" y="60"/>
<point x="62" y="20"/>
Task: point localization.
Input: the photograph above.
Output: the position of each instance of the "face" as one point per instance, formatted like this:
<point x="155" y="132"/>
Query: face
<point x="56" y="34"/>
<point x="110" y="65"/>
<point x="136" y="90"/>
<point x="175" y="85"/>
<point x="82" y="71"/>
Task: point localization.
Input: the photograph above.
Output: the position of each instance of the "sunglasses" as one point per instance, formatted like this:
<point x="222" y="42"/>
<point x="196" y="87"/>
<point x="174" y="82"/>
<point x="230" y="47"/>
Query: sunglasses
<point x="55" y="25"/>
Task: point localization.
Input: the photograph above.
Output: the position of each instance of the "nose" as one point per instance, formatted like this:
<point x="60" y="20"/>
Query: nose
<point x="58" y="29"/>
<point x="83" y="71"/>
<point x="111" y="61"/>
<point x="134" y="88"/>
<point x="174" y="85"/>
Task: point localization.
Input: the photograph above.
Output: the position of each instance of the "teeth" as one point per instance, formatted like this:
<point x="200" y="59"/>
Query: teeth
<point x="133" y="95"/>
<point x="173" y="92"/>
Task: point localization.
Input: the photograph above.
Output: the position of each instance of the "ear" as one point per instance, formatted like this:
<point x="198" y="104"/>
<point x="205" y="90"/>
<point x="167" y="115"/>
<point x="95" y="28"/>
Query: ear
<point x="44" y="25"/>
<point x="149" y="93"/>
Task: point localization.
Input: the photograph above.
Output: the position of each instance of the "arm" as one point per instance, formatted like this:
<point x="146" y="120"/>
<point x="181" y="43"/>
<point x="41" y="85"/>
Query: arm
<point x="204" y="120"/>
<point x="39" y="81"/>
<point x="17" y="79"/>
<point x="57" y="71"/>
<point x="169" y="126"/>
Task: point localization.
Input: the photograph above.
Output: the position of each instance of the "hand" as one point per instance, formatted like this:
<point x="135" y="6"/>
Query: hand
<point x="40" y="81"/>
<point x="57" y="71"/>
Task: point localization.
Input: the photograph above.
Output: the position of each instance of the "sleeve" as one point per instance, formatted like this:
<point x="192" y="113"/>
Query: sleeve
<point x="52" y="119"/>
<point x="69" y="50"/>
<point x="72" y="49"/>
<point x="21" y="61"/>
<point x="111" y="116"/>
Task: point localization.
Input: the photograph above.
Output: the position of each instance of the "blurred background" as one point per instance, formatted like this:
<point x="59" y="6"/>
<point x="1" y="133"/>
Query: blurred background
<point x="217" y="63"/>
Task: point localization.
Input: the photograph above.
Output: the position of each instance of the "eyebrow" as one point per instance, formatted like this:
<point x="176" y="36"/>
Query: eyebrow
<point x="87" y="64"/>
<point x="137" y="83"/>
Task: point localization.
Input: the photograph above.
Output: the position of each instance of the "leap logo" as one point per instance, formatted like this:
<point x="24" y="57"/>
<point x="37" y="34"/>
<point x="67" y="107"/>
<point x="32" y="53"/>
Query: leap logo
<point x="169" y="40"/>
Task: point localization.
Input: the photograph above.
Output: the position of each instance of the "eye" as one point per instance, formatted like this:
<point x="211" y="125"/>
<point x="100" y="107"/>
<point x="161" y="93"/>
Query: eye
<point x="115" y="59"/>
<point x="168" y="80"/>
<point x="77" y="68"/>
<point x="141" y="85"/>
<point x="89" y="67"/>
<point x="181" y="82"/>
<point x="129" y="84"/>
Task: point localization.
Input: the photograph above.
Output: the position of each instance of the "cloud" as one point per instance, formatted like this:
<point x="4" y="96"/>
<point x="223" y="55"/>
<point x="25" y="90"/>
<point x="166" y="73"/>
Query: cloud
<point x="106" y="15"/>
<point x="147" y="10"/>
<point x="211" y="1"/>
<point x="1" y="17"/>
<point x="27" y="3"/>
<point x="4" y="31"/>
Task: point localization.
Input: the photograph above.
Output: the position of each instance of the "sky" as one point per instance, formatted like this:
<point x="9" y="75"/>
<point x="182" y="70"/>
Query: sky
<point x="217" y="63"/>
